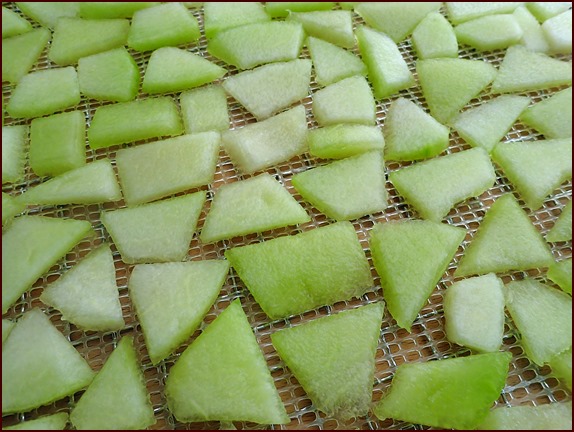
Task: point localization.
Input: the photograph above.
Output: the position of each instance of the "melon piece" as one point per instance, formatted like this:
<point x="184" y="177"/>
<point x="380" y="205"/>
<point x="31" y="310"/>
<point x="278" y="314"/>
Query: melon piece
<point x="490" y="32"/>
<point x="545" y="10"/>
<point x="338" y="387"/>
<point x="562" y="229"/>
<point x="268" y="142"/>
<point x="270" y="88"/>
<point x="133" y="121"/>
<point x="411" y="256"/>
<point x="561" y="273"/>
<point x="222" y="16"/>
<point x="528" y="417"/>
<point x="558" y="32"/>
<point x="13" y="24"/>
<point x="171" y="300"/>
<point x="10" y="208"/>
<point x="402" y="142"/>
<point x="435" y="186"/>
<point x="155" y="170"/>
<point x="334" y="26"/>
<point x="159" y="231"/>
<point x="254" y="44"/>
<point x="344" y="140"/>
<point x="251" y="206"/>
<point x="7" y="327"/>
<point x="535" y="168"/>
<point x="348" y="5"/>
<point x="551" y="116"/>
<point x="49" y="238"/>
<point x="223" y="376"/>
<point x="434" y="37"/>
<point x="204" y="109"/>
<point x="333" y="63"/>
<point x="293" y="274"/>
<point x="448" y="84"/>
<point x="103" y="10"/>
<point x="87" y="294"/>
<point x="20" y="53"/>
<point x="119" y="391"/>
<point x="459" y="12"/>
<point x="561" y="366"/>
<point x="346" y="189"/>
<point x="37" y="354"/>
<point x="282" y="9"/>
<point x="48" y="13"/>
<point x="49" y="422"/>
<point x="13" y="154"/>
<point x="532" y="35"/>
<point x="451" y="393"/>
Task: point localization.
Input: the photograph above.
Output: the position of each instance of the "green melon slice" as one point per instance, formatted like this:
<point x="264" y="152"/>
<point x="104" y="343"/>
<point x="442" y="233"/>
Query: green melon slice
<point x="558" y="32"/>
<point x="334" y="26"/>
<point x="402" y="142"/>
<point x="535" y="168"/>
<point x="562" y="229"/>
<point x="459" y="12"/>
<point x="223" y="376"/>
<point x="103" y="10"/>
<point x="344" y="140"/>
<point x="13" y="153"/>
<point x="7" y="327"/>
<point x="333" y="63"/>
<point x="290" y="275"/>
<point x="49" y="238"/>
<point x="561" y="273"/>
<point x="49" y="422"/>
<point x="528" y="417"/>
<point x="20" y="53"/>
<point x="117" y="398"/>
<point x="551" y="116"/>
<point x="13" y="24"/>
<point x="159" y="231"/>
<point x="435" y="186"/>
<point x="532" y="35"/>
<point x="282" y="9"/>
<point x="434" y="37"/>
<point x="269" y="88"/>
<point x="39" y="365"/>
<point x="452" y="393"/>
<point x="48" y="13"/>
<point x="490" y="32"/>
<point x="222" y="16"/>
<point x="341" y="387"/>
<point x="171" y="300"/>
<point x="411" y="256"/>
<point x="562" y="368"/>
<point x="87" y="294"/>
<point x="346" y="189"/>
<point x="10" y="208"/>
<point x="545" y="10"/>
<point x="204" y="109"/>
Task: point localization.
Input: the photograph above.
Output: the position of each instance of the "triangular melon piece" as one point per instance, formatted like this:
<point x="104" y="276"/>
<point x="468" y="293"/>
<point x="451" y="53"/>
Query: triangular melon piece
<point x="13" y="153"/>
<point x="158" y="231"/>
<point x="48" y="13"/>
<point x="87" y="294"/>
<point x="7" y="327"/>
<point x="459" y="12"/>
<point x="37" y="354"/>
<point x="13" y="24"/>
<point x="19" y="53"/>
<point x="532" y="35"/>
<point x="117" y="398"/>
<point x="535" y="168"/>
<point x="338" y="387"/>
<point x="219" y="16"/>
<point x="343" y="140"/>
<point x="334" y="26"/>
<point x="552" y="116"/>
<point x="552" y="416"/>
<point x="171" y="300"/>
<point x="333" y="63"/>
<point x="505" y="240"/>
<point x="410" y="257"/>
<point x="223" y="376"/>
<point x="10" y="207"/>
<point x="558" y="33"/>
<point x="562" y="229"/>
<point x="561" y="366"/>
<point x="49" y="422"/>
<point x="491" y="32"/>
<point x="561" y="273"/>
<point x="434" y="37"/>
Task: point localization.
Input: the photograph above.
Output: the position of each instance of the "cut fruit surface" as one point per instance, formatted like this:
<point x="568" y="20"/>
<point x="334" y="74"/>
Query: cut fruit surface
<point x="532" y="35"/>
<point x="562" y="368"/>
<point x="102" y="10"/>
<point x="552" y="116"/>
<point x="558" y="32"/>
<point x="552" y="416"/>
<point x="222" y="16"/>
<point x="562" y="229"/>
<point x="459" y="12"/>
<point x="204" y="109"/>
<point x="13" y="153"/>
<point x="282" y="9"/>
<point x="49" y="422"/>
<point x="334" y="26"/>
<point x="20" y="53"/>
<point x="434" y="37"/>
<point x="333" y="63"/>
<point x="561" y="273"/>
<point x="13" y="24"/>
<point x="490" y="32"/>
<point x="10" y="208"/>
<point x="7" y="327"/>
<point x="48" y="13"/>
<point x="545" y="10"/>
<point x="344" y="140"/>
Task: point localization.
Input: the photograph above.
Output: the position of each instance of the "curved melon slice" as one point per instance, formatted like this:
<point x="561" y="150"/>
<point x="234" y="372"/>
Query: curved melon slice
<point x="204" y="109"/>
<point x="282" y="9"/>
<point x="7" y="327"/>
<point x="334" y="26"/>
<point x="490" y="32"/>
<point x="20" y="53"/>
<point x="552" y="116"/>
<point x="459" y="12"/>
<point x="333" y="63"/>
<point x="49" y="422"/>
<point x="528" y="417"/>
<point x="222" y="16"/>
<point x="13" y="24"/>
<point x="562" y="229"/>
<point x="434" y="37"/>
<point x="10" y="208"/>
<point x="561" y="273"/>
<point x="343" y="140"/>
<point x="48" y="13"/>
<point x="13" y="154"/>
<point x="562" y="368"/>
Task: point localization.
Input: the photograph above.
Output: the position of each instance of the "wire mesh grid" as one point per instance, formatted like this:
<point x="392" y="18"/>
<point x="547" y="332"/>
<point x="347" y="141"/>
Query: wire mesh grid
<point x="526" y="383"/>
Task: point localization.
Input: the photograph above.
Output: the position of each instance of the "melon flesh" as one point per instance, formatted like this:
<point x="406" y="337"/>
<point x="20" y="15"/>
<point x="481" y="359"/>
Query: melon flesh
<point x="13" y="154"/>
<point x="20" y="53"/>
<point x="552" y="416"/>
<point x="434" y="37"/>
<point x="7" y="327"/>
<point x="204" y="109"/>
<point x="13" y="24"/>
<point x="489" y="33"/>
<point x="562" y="368"/>
<point x="562" y="229"/>
<point x="10" y="208"/>
<point x="102" y="10"/>
<point x="222" y="16"/>
<point x="282" y="9"/>
<point x="48" y="13"/>
<point x="459" y="12"/>
<point x="532" y="35"/>
<point x="561" y="273"/>
<point x="551" y="116"/>
<point x="334" y="26"/>
<point x="344" y="140"/>
<point x="558" y="32"/>
<point x="49" y="422"/>
<point x="545" y="10"/>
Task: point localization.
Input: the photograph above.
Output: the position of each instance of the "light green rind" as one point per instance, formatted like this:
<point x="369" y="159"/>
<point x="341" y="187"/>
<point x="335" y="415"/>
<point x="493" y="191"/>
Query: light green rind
<point x="459" y="12"/>
<point x="491" y="32"/>
<point x="48" y="13"/>
<point x="13" y="153"/>
<point x="551" y="116"/>
<point x="103" y="10"/>
<point x="10" y="208"/>
<point x="344" y="140"/>
<point x="7" y="327"/>
<point x="552" y="416"/>
<point x="561" y="366"/>
<point x="222" y="16"/>
<point x="20" y="53"/>
<point x="13" y="24"/>
<point x="561" y="273"/>
<point x="558" y="33"/>
<point x="282" y="9"/>
<point x="434" y="37"/>
<point x="532" y="35"/>
<point x="333" y="63"/>
<point x="49" y="422"/>
<point x="204" y="109"/>
<point x="334" y="26"/>
<point x="562" y="229"/>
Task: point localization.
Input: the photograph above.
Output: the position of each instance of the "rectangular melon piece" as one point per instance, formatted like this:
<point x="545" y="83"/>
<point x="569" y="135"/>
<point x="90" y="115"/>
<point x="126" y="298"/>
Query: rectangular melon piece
<point x="48" y="422"/>
<point x="19" y="53"/>
<point x="551" y="116"/>
<point x="344" y="140"/>
<point x="282" y="9"/>
<point x="561" y="273"/>
<point x="204" y="109"/>
<point x="562" y="229"/>
<point x="13" y="153"/>
<point x="103" y="10"/>
<point x="490" y="32"/>
<point x="48" y="13"/>
<point x="13" y="24"/>
<point x="219" y="16"/>
<point x="290" y="275"/>
<point x="552" y="416"/>
<point x="434" y="37"/>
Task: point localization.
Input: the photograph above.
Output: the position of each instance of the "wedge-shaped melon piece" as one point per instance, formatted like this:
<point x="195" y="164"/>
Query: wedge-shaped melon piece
<point x="250" y="206"/>
<point x="49" y="238"/>
<point x="119" y="391"/>
<point x="402" y="142"/>
<point x="10" y="208"/>
<point x="48" y="13"/>
<point x="543" y="316"/>
<point x="159" y="231"/>
<point x="270" y="88"/>
<point x="490" y="32"/>
<point x="133" y="121"/>
<point x="171" y="300"/>
<point x="49" y="422"/>
<point x="486" y="124"/>
<point x="552" y="116"/>
<point x="558" y="32"/>
<point x="87" y="294"/>
<point x="474" y="313"/>
<point x="545" y="10"/>
<point x="13" y="24"/>
<point x="282" y="9"/>
<point x="7" y="327"/>
<point x="333" y="63"/>
<point x="204" y="109"/>
<point x="37" y="354"/>
<point x="102" y="10"/>
<point x="290" y="275"/>
<point x="223" y="376"/>
<point x="532" y="35"/>
<point x="254" y="44"/>
<point x="346" y="189"/>
<point x="13" y="153"/>
<point x="528" y="417"/>
<point x="411" y="256"/>
<point x="335" y="26"/>
<point x="459" y="12"/>
<point x="561" y="273"/>
<point x="435" y="186"/>
<point x="448" y="84"/>
<point x="562" y="229"/>
<point x="535" y="168"/>
<point x="344" y="140"/>
<point x="562" y="368"/>
<point x="222" y="16"/>
<point x="19" y="53"/>
<point x="434" y="37"/>
<point x="523" y="70"/>
<point x="339" y="387"/>
<point x="268" y="142"/>
<point x="452" y="393"/>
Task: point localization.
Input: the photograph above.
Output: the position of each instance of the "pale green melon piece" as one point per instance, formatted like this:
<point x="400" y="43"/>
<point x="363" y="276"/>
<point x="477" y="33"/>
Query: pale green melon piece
<point x="562" y="229"/>
<point x="333" y="63"/>
<point x="505" y="240"/>
<point x="452" y="393"/>
<point x="7" y="327"/>
<point x="535" y="168"/>
<point x="341" y="387"/>
<point x="133" y="121"/>
<point x="13" y="24"/>
<point x="561" y="366"/>
<point x="155" y="170"/>
<point x="334" y="26"/>
<point x="159" y="231"/>
<point x="268" y="142"/>
<point x="171" y="300"/>
<point x="168" y="24"/>
<point x="10" y="208"/>
<point x="344" y="140"/>
<point x="459" y="12"/>
<point x="204" y="109"/>
<point x="558" y="32"/>
<point x="103" y="10"/>
<point x="172" y="69"/>
<point x="435" y="186"/>
<point x="448" y="84"/>
<point x="561" y="273"/>
<point x="532" y="35"/>
<point x="551" y="116"/>
<point x="346" y="189"/>
<point x="434" y="37"/>
<point x="223" y="376"/>
<point x="490" y="32"/>
<point x="348" y="5"/>
<point x="39" y="365"/>
<point x="13" y="153"/>
<point x="48" y="13"/>
<point x="222" y="16"/>
<point x="293" y="274"/>
<point x="402" y="142"/>
<point x="20" y="53"/>
<point x="117" y="398"/>
<point x="49" y="422"/>
<point x="255" y="44"/>
<point x="251" y="206"/>
<point x="474" y="313"/>
<point x="552" y="416"/>
<point x="545" y="10"/>
<point x="269" y="88"/>
<point x="87" y="295"/>
<point x="282" y="9"/>
<point x="486" y="124"/>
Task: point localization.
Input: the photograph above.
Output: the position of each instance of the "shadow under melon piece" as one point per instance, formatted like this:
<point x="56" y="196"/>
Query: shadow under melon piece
<point x="490" y="32"/>
<point x="558" y="33"/>
<point x="459" y="12"/>
<point x="334" y="26"/>
<point x="282" y="9"/>
<point x="204" y="109"/>
<point x="13" y="154"/>
<point x="225" y="15"/>
<point x="552" y="116"/>
<point x="562" y="229"/>
<point x="13" y="24"/>
<point x="343" y="140"/>
<point x="20" y="53"/>
<point x="551" y="416"/>
<point x="103" y="10"/>
<point x="561" y="366"/>
<point x="48" y="422"/>
<point x="48" y="13"/>
<point x="561" y="273"/>
<point x="10" y="208"/>
<point x="434" y="37"/>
